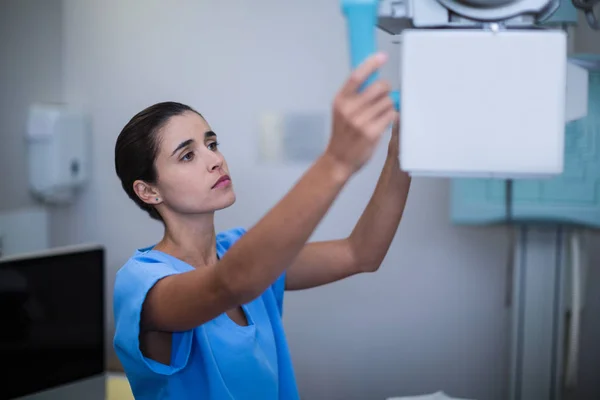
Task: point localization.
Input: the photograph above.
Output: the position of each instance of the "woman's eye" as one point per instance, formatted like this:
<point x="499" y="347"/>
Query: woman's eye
<point x="188" y="156"/>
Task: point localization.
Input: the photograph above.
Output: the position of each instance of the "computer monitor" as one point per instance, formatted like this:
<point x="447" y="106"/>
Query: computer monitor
<point x="52" y="325"/>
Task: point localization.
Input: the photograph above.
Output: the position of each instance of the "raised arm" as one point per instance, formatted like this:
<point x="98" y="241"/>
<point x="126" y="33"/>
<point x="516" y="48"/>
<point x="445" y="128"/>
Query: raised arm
<point x="256" y="260"/>
<point x="320" y="263"/>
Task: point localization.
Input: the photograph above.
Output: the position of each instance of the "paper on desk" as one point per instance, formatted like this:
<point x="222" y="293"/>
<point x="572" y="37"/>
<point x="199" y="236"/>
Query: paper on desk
<point x="432" y="396"/>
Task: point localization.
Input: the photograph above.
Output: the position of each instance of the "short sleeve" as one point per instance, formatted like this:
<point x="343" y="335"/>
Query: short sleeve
<point x="132" y="284"/>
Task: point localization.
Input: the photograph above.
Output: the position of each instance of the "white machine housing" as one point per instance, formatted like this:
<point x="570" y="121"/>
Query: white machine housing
<point x="480" y="103"/>
<point x="485" y="92"/>
<point x="58" y="150"/>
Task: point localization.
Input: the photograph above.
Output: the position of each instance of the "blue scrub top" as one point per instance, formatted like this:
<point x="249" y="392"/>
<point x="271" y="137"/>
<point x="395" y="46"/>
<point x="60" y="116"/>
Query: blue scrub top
<point x="218" y="360"/>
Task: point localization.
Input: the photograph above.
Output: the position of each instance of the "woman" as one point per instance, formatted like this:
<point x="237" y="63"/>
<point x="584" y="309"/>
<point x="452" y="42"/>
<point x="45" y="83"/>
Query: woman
<point x="198" y="317"/>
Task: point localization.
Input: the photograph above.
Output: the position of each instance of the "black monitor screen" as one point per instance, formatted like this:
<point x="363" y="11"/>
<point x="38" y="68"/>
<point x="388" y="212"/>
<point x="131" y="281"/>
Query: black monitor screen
<point x="51" y="320"/>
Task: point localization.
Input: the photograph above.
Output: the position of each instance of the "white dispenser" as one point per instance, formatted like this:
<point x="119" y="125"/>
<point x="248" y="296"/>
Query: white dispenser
<point x="58" y="150"/>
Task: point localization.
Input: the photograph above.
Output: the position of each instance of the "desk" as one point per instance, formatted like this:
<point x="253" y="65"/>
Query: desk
<point x="117" y="387"/>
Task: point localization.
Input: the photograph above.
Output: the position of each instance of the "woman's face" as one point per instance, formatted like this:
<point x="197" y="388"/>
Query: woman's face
<point x="193" y="177"/>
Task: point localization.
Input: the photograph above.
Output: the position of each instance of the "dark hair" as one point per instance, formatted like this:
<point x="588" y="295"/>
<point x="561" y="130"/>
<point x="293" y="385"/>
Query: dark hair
<point x="137" y="147"/>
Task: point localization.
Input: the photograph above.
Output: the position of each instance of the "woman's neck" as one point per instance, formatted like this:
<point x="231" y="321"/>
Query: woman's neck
<point x="190" y="239"/>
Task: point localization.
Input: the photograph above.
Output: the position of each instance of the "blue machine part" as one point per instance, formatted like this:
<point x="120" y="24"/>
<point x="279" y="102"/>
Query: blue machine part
<point x="572" y="198"/>
<point x="565" y="14"/>
<point x="361" y="19"/>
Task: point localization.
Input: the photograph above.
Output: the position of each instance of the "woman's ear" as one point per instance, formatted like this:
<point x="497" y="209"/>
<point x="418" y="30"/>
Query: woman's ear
<point x="147" y="193"/>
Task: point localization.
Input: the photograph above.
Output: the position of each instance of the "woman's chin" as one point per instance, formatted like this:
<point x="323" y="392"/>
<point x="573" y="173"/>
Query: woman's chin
<point x="210" y="205"/>
<point x="226" y="201"/>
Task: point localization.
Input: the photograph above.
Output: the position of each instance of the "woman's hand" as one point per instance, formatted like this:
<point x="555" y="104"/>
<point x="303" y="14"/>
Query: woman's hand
<point x="360" y="117"/>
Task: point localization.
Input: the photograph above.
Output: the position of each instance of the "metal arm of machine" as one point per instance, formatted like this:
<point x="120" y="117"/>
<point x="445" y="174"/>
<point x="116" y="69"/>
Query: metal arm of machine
<point x="394" y="16"/>
<point x="587" y="6"/>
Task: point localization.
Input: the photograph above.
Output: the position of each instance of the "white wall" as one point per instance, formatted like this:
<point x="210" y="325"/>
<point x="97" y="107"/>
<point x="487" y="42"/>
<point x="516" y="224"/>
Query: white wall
<point x="30" y="70"/>
<point x="433" y="317"/>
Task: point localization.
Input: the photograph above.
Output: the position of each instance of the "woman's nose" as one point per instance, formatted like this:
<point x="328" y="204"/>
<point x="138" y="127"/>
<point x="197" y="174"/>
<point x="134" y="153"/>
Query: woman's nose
<point x="215" y="162"/>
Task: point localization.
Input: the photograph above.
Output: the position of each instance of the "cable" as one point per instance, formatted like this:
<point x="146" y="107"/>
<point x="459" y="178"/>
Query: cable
<point x="510" y="262"/>
<point x="587" y="6"/>
<point x="576" y="305"/>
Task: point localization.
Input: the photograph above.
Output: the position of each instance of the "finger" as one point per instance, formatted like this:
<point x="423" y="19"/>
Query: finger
<point x="376" y="110"/>
<point x="396" y="126"/>
<point x="363" y="72"/>
<point x="382" y="123"/>
<point x="372" y="94"/>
